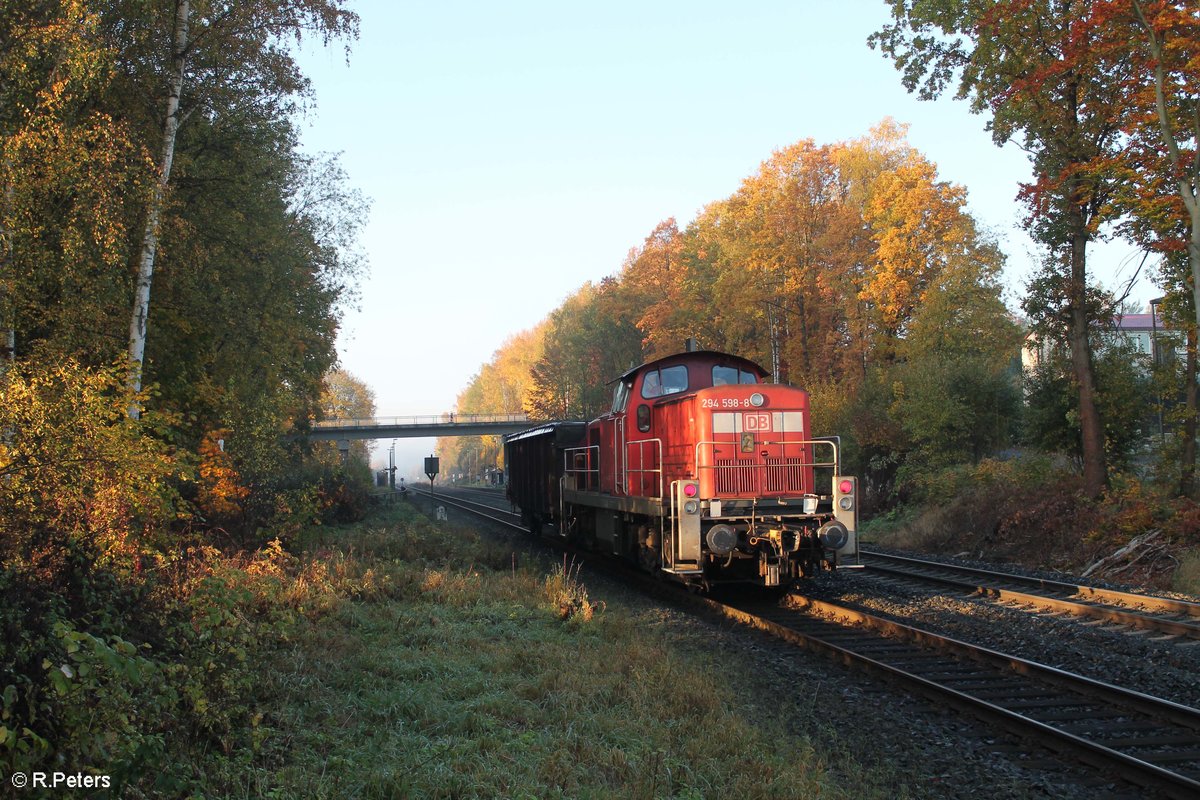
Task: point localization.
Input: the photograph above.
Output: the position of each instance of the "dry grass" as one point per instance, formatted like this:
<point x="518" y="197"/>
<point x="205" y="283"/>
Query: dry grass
<point x="1187" y="575"/>
<point x="484" y="679"/>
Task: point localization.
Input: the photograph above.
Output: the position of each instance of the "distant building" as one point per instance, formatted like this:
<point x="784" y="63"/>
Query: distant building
<point x="1146" y="332"/>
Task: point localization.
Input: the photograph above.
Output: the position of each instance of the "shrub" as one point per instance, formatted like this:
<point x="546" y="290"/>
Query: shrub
<point x="567" y="595"/>
<point x="1187" y="575"/>
<point x="73" y="462"/>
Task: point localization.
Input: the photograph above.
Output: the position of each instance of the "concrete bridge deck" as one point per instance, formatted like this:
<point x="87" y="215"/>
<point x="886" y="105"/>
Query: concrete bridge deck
<point x="419" y="426"/>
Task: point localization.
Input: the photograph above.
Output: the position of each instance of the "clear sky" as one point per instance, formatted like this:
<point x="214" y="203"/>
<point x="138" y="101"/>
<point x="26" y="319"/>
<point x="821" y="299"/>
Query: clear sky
<point x="514" y="151"/>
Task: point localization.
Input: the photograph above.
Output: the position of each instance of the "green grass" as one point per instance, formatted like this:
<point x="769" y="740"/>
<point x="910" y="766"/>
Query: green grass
<point x="475" y="677"/>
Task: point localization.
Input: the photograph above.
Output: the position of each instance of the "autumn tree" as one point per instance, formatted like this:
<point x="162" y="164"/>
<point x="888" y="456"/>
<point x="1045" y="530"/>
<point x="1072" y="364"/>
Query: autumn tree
<point x="250" y="284"/>
<point x="209" y="56"/>
<point x="343" y="396"/>
<point x="820" y="259"/>
<point x="1164" y="83"/>
<point x="776" y="243"/>
<point x="502" y="386"/>
<point x="654" y="286"/>
<point x="259" y="240"/>
<point x="1152" y="50"/>
<point x="589" y="340"/>
<point x="1037" y="71"/>
<point x="921" y="230"/>
<point x="1169" y="35"/>
<point x="72" y="176"/>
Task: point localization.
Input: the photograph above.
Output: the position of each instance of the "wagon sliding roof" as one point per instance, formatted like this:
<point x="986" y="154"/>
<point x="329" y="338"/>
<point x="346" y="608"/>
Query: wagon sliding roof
<point x="715" y="355"/>
<point x="565" y="430"/>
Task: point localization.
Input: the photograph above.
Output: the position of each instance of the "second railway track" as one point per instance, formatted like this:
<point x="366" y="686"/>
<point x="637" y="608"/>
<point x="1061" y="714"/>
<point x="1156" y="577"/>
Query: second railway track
<point x="1169" y="617"/>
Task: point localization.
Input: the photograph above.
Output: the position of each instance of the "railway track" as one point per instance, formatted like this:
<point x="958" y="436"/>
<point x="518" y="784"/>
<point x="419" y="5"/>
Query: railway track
<point x="1171" y="618"/>
<point x="495" y="508"/>
<point x="1141" y="739"/>
<point x="1128" y="735"/>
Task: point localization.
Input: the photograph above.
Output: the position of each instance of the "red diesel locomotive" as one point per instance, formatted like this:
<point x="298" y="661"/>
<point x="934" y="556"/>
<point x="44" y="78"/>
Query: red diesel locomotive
<point x="701" y="471"/>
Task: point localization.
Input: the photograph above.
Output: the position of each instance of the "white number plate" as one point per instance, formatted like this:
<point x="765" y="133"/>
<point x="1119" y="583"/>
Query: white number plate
<point x="725" y="402"/>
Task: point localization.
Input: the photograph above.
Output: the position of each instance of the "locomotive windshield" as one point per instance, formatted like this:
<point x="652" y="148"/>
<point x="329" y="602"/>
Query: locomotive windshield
<point x="727" y="375"/>
<point x="668" y="380"/>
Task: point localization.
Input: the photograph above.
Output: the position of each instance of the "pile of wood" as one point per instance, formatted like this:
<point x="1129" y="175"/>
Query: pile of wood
<point x="1147" y="552"/>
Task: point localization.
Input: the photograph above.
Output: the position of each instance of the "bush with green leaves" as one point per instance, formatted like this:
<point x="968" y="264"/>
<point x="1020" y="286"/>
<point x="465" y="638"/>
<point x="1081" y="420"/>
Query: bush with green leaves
<point x="1124" y="397"/>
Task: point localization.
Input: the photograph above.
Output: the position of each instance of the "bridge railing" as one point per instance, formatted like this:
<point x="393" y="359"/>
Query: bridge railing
<point x="428" y="419"/>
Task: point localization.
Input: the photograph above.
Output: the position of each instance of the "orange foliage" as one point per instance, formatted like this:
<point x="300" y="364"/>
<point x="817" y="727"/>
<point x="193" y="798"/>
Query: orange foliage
<point x="220" y="492"/>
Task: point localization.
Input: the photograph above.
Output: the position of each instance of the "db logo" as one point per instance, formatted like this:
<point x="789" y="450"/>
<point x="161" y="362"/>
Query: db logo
<point x="759" y="421"/>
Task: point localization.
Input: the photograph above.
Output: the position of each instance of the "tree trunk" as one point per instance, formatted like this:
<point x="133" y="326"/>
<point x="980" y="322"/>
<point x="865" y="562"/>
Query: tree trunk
<point x="8" y="349"/>
<point x="141" y="300"/>
<point x="1095" y="472"/>
<point x="1187" y="183"/>
<point x="1187" y="472"/>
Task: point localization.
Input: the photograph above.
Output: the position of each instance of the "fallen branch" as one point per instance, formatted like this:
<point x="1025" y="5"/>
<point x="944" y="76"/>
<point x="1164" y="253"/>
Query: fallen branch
<point x="1138" y="547"/>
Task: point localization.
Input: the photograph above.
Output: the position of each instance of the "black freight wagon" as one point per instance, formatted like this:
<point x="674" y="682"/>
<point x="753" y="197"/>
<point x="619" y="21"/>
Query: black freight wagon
<point x="534" y="460"/>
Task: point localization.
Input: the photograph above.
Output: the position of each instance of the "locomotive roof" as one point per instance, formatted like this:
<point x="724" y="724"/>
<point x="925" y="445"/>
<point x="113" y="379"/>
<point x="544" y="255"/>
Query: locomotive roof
<point x="713" y="355"/>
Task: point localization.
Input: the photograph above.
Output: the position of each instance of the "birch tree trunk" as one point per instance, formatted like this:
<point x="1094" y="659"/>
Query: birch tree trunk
<point x="8" y="350"/>
<point x="141" y="300"/>
<point x="1187" y="473"/>
<point x="1187" y="183"/>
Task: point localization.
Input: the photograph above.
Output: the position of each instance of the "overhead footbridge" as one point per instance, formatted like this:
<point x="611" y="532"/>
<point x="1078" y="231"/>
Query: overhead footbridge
<point x="449" y="424"/>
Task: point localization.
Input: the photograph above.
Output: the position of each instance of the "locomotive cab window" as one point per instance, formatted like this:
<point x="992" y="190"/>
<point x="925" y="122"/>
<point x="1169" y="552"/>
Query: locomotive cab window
<point x="651" y="385"/>
<point x="674" y="379"/>
<point x="723" y="376"/>
<point x="668" y="380"/>
<point x="620" y="397"/>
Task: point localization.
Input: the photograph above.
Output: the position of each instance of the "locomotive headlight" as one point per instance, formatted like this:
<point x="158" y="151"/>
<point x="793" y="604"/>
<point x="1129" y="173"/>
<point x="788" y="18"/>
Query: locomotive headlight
<point x="846" y="503"/>
<point x="691" y="507"/>
<point x="757" y="400"/>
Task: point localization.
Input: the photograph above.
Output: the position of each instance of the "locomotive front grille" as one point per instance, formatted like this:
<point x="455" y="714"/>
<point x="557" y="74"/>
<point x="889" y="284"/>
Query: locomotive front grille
<point x="746" y="477"/>
<point x="785" y="476"/>
<point x="735" y="477"/>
